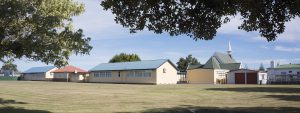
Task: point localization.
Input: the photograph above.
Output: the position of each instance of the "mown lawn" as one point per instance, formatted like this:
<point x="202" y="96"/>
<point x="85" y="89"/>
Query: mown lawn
<point x="45" y="97"/>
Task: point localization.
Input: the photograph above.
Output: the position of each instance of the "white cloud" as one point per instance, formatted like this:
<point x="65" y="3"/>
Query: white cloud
<point x="232" y="27"/>
<point x="290" y="35"/>
<point x="287" y="49"/>
<point x="292" y="31"/>
<point x="259" y="38"/>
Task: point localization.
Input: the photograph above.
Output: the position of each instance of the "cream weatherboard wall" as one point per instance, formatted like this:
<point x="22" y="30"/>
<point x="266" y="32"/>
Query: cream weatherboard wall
<point x="49" y="75"/>
<point x="167" y="74"/>
<point x="123" y="78"/>
<point x="201" y="76"/>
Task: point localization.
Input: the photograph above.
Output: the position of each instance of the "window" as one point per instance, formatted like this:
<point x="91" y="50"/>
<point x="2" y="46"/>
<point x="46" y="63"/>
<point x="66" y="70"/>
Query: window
<point x="290" y="71"/>
<point x="102" y="74"/>
<point x="138" y="74"/>
<point x="164" y="70"/>
<point x="283" y="73"/>
<point x="147" y="74"/>
<point x="119" y="74"/>
<point x="130" y="74"/>
<point x="298" y="73"/>
<point x="96" y="74"/>
<point x="108" y="74"/>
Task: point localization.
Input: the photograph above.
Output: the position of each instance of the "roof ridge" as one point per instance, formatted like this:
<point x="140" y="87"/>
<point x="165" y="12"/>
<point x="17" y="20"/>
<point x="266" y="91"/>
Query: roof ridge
<point x="42" y="66"/>
<point x="143" y="64"/>
<point x="133" y="61"/>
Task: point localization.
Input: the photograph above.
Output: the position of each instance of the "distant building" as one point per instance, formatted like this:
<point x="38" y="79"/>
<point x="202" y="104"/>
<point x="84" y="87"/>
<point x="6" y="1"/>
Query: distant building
<point x="38" y="73"/>
<point x="284" y="74"/>
<point x="246" y="76"/>
<point x="214" y="71"/>
<point x="69" y="74"/>
<point x="146" y="72"/>
<point x="9" y="73"/>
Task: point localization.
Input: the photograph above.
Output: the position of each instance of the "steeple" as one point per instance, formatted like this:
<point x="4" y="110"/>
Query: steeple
<point x="229" y="49"/>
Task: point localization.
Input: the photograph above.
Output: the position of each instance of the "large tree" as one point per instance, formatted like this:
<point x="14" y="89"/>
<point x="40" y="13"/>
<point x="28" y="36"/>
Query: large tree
<point x="200" y="19"/>
<point x="123" y="57"/>
<point x="183" y="63"/>
<point x="41" y="30"/>
<point x="9" y="65"/>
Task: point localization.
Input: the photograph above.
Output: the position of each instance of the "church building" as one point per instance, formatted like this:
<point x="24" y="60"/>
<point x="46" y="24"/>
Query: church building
<point x="214" y="71"/>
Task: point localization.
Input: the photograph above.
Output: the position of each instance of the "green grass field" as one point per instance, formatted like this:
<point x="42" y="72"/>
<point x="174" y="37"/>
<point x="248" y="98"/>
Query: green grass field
<point x="45" y="97"/>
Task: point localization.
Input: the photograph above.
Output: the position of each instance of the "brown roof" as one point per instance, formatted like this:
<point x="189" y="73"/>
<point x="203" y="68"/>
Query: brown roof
<point x="69" y="69"/>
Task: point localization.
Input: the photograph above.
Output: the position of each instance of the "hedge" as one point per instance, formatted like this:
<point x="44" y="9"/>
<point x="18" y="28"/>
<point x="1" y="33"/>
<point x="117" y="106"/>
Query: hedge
<point x="10" y="78"/>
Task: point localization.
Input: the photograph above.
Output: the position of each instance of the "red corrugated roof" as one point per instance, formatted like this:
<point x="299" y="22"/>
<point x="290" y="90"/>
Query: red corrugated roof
<point x="70" y="69"/>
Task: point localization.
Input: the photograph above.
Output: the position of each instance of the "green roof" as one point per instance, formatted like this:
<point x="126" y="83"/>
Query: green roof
<point x="288" y="66"/>
<point x="221" y="61"/>
<point x="230" y="66"/>
<point x="212" y="63"/>
<point x="224" y="58"/>
<point x="194" y="66"/>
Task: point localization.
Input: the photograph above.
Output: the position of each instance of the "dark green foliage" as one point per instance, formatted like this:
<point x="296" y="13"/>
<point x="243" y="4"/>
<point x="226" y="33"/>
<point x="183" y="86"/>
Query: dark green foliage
<point x="8" y="65"/>
<point x="200" y="19"/>
<point x="183" y="63"/>
<point x="41" y="30"/>
<point x="123" y="57"/>
<point x="8" y="78"/>
<point x="261" y="67"/>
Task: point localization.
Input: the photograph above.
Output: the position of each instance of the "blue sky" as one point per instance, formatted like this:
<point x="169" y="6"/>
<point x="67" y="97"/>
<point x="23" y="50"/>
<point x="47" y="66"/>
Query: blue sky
<point x="109" y="38"/>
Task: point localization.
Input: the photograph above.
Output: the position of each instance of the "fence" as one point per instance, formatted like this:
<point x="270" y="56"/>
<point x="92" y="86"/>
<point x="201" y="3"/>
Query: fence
<point x="183" y="78"/>
<point x="8" y="78"/>
<point x="285" y="79"/>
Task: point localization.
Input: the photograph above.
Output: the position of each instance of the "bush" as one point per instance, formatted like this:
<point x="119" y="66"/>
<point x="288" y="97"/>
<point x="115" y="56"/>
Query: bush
<point x="8" y="78"/>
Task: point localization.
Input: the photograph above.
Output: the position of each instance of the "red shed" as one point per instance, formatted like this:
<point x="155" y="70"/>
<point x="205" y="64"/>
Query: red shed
<point x="246" y="76"/>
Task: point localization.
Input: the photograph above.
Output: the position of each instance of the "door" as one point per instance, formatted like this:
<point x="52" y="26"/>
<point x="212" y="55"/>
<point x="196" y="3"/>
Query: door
<point x="239" y="78"/>
<point x="251" y="78"/>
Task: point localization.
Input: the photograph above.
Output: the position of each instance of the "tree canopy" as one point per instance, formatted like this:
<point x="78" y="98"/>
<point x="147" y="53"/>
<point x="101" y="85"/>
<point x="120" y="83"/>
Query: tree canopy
<point x="261" y="67"/>
<point x="41" y="30"/>
<point x="9" y="65"/>
<point x="200" y="19"/>
<point x="183" y="63"/>
<point x="123" y="57"/>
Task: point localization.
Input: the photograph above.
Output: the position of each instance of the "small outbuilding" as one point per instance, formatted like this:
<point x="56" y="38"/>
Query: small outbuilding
<point x="246" y="76"/>
<point x="70" y="74"/>
<point x="38" y="73"/>
<point x="284" y="74"/>
<point x="161" y="71"/>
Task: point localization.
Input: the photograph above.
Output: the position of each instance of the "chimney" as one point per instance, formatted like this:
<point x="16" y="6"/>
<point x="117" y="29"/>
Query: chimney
<point x="272" y="64"/>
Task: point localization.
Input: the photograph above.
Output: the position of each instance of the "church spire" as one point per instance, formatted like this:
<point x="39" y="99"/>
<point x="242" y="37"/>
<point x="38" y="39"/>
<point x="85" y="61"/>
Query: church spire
<point x="229" y="49"/>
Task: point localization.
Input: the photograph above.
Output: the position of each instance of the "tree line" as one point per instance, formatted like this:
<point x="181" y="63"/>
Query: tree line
<point x="42" y="30"/>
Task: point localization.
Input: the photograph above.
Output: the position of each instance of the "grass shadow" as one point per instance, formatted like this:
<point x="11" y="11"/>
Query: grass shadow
<point x="9" y="109"/>
<point x="3" y="102"/>
<point x="285" y="97"/>
<point x="195" y="109"/>
<point x="259" y="89"/>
